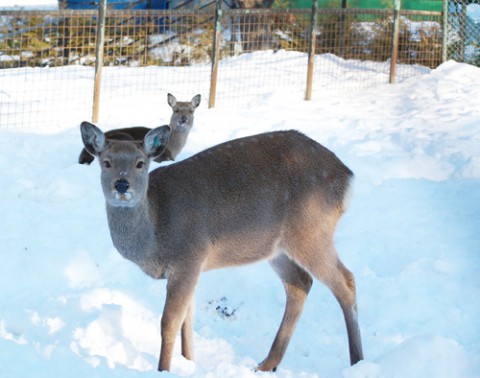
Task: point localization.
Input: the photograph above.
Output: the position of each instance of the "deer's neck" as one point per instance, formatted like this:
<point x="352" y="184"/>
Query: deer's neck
<point x="132" y="232"/>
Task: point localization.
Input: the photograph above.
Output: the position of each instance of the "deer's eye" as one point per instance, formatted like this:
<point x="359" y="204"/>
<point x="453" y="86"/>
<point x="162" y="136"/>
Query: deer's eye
<point x="107" y="164"/>
<point x="140" y="164"/>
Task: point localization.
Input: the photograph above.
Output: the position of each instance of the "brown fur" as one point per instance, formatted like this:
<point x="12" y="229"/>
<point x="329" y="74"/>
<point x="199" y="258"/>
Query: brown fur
<point x="275" y="196"/>
<point x="181" y="123"/>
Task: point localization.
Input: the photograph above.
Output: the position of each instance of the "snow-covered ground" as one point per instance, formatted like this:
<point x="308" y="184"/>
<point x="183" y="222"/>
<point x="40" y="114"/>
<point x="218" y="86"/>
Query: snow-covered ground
<point x="70" y="305"/>
<point x="29" y="4"/>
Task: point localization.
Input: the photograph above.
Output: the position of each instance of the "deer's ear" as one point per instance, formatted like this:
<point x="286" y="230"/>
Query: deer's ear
<point x="196" y="100"/>
<point x="93" y="138"/>
<point x="172" y="101"/>
<point x="156" y="141"/>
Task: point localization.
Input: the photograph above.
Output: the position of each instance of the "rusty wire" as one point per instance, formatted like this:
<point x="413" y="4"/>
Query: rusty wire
<point x="176" y="47"/>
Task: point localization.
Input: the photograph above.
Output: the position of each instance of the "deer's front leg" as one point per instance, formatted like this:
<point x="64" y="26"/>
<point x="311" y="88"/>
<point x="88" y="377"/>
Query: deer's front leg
<point x="187" y="332"/>
<point x="180" y="290"/>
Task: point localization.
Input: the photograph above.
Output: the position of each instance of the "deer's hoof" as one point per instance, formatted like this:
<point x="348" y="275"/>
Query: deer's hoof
<point x="266" y="366"/>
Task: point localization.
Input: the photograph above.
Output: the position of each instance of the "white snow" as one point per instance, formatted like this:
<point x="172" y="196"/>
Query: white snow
<point x="70" y="305"/>
<point x="28" y="4"/>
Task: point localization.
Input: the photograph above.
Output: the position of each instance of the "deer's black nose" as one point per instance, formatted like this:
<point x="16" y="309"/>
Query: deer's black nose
<point x="184" y="119"/>
<point x="122" y="186"/>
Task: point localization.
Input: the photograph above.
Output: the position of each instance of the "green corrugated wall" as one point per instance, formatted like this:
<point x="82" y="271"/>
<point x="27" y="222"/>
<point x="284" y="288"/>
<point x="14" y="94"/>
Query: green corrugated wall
<point x="429" y="5"/>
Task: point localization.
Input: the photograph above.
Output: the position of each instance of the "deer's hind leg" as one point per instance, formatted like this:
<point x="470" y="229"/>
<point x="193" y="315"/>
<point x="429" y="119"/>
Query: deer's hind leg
<point x="318" y="256"/>
<point x="297" y="283"/>
<point x="343" y="287"/>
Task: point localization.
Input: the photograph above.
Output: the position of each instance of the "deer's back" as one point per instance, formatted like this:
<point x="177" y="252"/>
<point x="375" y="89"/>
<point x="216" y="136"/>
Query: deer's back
<point x="265" y="170"/>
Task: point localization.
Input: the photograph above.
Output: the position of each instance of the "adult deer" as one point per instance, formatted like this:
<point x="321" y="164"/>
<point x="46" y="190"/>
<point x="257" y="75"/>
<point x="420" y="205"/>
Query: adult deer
<point x="181" y="123"/>
<point x="275" y="196"/>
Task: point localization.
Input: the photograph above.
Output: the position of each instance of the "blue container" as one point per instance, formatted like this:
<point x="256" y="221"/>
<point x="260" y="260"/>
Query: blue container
<point x="113" y="4"/>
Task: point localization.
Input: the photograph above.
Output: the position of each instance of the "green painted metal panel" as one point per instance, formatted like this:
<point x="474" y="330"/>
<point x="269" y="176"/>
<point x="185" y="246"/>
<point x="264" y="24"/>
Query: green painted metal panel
<point x="428" y="5"/>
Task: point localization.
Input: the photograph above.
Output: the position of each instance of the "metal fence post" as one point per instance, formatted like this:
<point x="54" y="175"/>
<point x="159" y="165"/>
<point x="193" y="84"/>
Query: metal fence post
<point x="463" y="31"/>
<point x="215" y="53"/>
<point x="445" y="30"/>
<point x="343" y="30"/>
<point x="102" y="8"/>
<point x="311" y="49"/>
<point x="395" y="38"/>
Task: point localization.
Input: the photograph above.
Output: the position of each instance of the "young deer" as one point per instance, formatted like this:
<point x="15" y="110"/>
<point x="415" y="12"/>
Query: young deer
<point x="275" y="196"/>
<point x="181" y="123"/>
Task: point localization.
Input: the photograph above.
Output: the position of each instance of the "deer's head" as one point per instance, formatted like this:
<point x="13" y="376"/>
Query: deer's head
<point x="182" y="116"/>
<point x="124" y="164"/>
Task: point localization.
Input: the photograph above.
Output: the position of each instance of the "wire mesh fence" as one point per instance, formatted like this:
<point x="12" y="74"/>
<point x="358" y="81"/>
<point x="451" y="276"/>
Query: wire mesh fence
<point x="463" y="32"/>
<point x="367" y="36"/>
<point x="150" y="53"/>
<point x="253" y="47"/>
